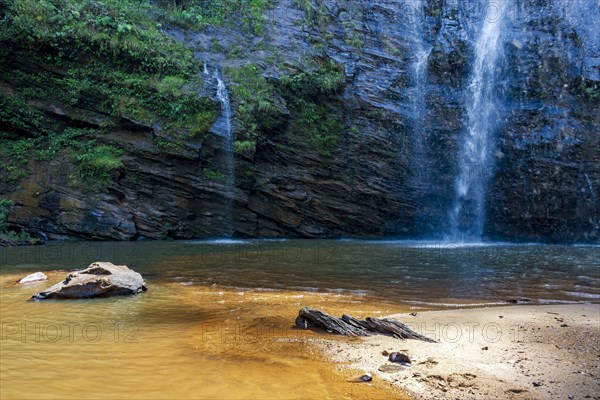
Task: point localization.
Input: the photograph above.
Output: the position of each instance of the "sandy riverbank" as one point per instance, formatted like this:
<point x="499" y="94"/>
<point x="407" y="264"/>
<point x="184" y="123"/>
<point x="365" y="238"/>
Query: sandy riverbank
<point x="514" y="352"/>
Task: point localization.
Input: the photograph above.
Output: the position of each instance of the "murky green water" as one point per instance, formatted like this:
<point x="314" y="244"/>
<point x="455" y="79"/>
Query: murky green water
<point x="397" y="272"/>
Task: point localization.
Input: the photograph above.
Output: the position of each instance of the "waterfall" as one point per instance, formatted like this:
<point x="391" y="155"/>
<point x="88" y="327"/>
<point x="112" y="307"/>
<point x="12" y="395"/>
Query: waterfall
<point x="418" y="70"/>
<point x="593" y="195"/>
<point x="223" y="97"/>
<point x="474" y="161"/>
<point x="422" y="184"/>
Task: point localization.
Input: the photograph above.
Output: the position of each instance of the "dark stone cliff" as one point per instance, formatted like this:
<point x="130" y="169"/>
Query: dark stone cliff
<point x="377" y="179"/>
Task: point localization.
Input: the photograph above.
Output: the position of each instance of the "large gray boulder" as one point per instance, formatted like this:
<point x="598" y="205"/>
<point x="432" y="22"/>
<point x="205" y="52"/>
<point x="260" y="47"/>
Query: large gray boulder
<point x="100" y="279"/>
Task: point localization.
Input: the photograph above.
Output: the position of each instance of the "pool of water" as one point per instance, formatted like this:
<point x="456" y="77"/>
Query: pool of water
<point x="217" y="319"/>
<point x="386" y="271"/>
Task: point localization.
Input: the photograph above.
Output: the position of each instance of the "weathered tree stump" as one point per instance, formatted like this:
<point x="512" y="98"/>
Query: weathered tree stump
<point x="350" y="326"/>
<point x="310" y="317"/>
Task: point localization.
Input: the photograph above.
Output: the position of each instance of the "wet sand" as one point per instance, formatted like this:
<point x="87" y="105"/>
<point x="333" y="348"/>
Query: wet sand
<point x="513" y="352"/>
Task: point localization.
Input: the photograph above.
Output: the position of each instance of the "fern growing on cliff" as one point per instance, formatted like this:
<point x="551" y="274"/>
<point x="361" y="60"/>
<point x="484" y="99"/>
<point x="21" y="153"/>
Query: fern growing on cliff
<point x="327" y="79"/>
<point x="74" y="63"/>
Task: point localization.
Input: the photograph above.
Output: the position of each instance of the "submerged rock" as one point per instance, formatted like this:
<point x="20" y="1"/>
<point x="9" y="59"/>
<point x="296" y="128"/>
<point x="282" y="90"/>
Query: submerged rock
<point x="367" y="377"/>
<point x="100" y="279"/>
<point x="35" y="277"/>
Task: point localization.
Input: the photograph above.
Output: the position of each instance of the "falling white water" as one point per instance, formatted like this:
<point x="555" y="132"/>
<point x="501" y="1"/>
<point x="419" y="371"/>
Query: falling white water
<point x="418" y="70"/>
<point x="223" y="96"/>
<point x="594" y="206"/>
<point x="468" y="212"/>
<point x="205" y="71"/>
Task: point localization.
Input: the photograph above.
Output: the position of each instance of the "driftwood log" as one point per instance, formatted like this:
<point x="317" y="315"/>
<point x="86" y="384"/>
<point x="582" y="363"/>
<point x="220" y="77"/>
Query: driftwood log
<point x="350" y="326"/>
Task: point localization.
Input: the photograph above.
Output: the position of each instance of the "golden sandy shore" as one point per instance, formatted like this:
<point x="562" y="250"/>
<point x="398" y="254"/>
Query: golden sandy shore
<point x="513" y="352"/>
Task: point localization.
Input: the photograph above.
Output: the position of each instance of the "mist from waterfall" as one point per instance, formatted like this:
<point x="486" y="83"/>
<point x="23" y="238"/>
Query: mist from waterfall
<point x="467" y="214"/>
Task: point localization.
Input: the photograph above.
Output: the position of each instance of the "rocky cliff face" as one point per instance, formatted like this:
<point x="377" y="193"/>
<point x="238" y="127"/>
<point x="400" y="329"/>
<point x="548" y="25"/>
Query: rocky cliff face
<point x="390" y="169"/>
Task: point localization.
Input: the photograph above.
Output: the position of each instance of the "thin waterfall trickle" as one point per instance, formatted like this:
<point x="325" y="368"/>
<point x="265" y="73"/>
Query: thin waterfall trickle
<point x="475" y="162"/>
<point x="223" y="96"/>
<point x="418" y="70"/>
<point x="229" y="169"/>
<point x="594" y="206"/>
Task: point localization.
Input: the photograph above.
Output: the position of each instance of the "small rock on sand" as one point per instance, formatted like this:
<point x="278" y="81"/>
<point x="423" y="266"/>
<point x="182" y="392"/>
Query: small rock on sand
<point x="399" y="358"/>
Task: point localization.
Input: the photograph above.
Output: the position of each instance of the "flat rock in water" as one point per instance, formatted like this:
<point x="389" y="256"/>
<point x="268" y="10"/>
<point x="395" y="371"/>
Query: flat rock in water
<point x="363" y="378"/>
<point x="35" y="277"/>
<point x="100" y="279"/>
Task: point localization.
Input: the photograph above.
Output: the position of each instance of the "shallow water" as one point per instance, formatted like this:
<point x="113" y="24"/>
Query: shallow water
<point x="383" y="271"/>
<point x="217" y="320"/>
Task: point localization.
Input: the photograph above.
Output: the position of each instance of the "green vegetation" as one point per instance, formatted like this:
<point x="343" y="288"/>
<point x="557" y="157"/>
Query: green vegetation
<point x="590" y="90"/>
<point x="215" y="45"/>
<point x="237" y="51"/>
<point x="309" y="94"/>
<point x="322" y="127"/>
<point x="433" y="8"/>
<point x="111" y="51"/>
<point x="315" y="13"/>
<point x="197" y="14"/>
<point x="306" y="94"/>
<point x="258" y="107"/>
<point x="96" y="162"/>
<point x="93" y="62"/>
<point x="317" y="18"/>
<point x="74" y="70"/>
<point x="5" y="205"/>
<point x="7" y="236"/>
<point x="121" y="31"/>
<point x="214" y="175"/>
<point x="244" y="146"/>
<point x="328" y="78"/>
<point x="351" y="21"/>
<point x="93" y="162"/>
